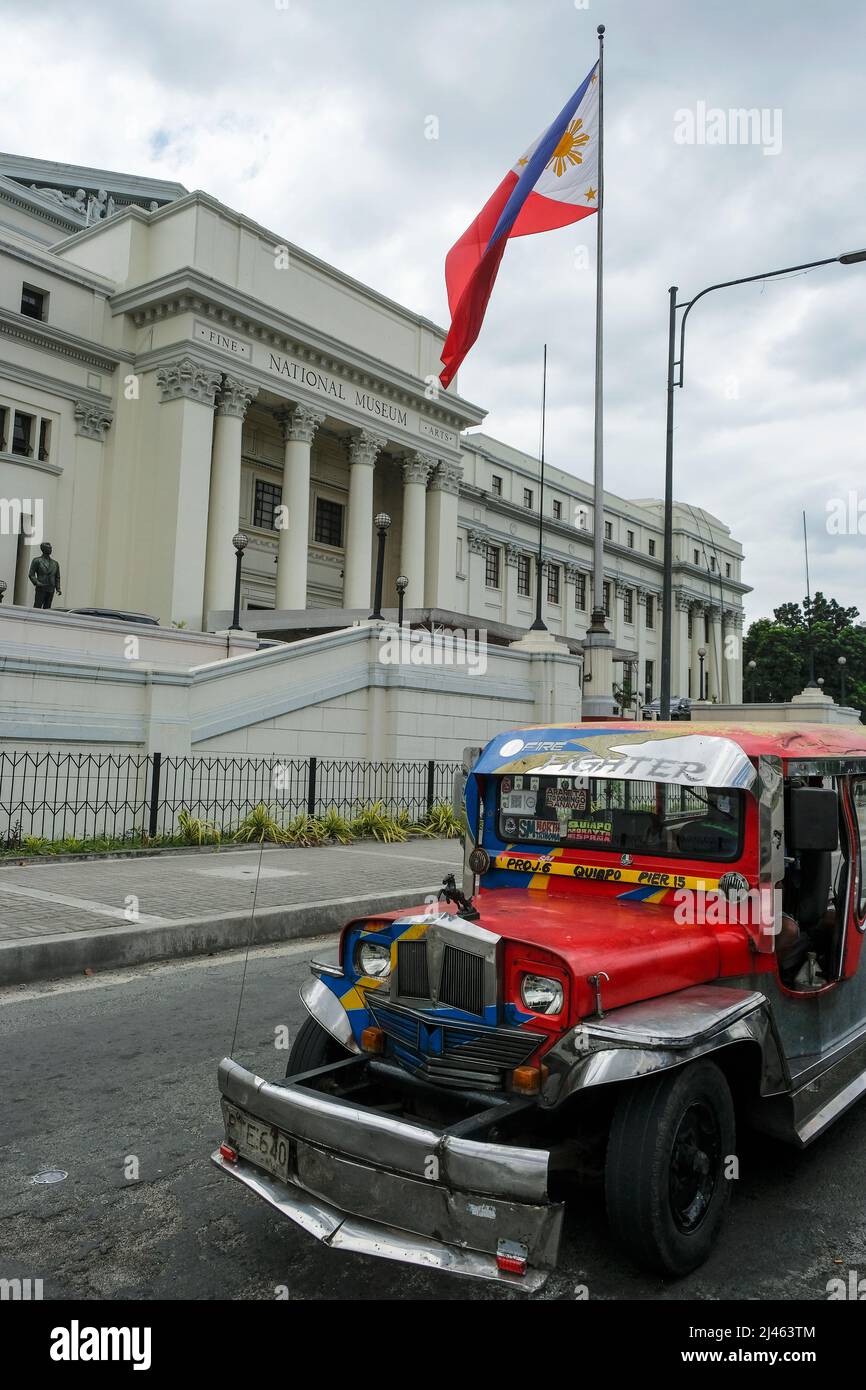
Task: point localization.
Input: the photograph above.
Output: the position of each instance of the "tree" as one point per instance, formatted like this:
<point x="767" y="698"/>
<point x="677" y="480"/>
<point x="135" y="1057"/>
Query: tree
<point x="782" y="647"/>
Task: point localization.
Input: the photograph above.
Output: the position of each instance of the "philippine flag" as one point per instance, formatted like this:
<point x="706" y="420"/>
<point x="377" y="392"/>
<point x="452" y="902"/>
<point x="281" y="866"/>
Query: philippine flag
<point x="555" y="182"/>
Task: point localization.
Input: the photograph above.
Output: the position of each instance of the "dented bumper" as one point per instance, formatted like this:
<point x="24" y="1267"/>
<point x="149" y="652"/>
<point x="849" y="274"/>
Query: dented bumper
<point x="361" y="1180"/>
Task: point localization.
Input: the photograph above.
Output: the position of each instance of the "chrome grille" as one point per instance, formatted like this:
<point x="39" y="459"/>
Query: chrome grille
<point x="461" y="982"/>
<point x="413" y="980"/>
<point x="468" y="1056"/>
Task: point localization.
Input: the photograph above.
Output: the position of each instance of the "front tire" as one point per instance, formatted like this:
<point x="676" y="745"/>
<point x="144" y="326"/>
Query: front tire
<point x="665" y="1176"/>
<point x="313" y="1048"/>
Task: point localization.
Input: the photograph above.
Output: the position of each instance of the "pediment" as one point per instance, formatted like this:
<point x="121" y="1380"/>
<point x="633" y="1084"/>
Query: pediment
<point x="82" y="195"/>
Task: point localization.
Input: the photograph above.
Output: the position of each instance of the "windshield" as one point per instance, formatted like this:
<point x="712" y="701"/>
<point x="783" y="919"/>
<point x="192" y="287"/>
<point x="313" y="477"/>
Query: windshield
<point x="646" y="818"/>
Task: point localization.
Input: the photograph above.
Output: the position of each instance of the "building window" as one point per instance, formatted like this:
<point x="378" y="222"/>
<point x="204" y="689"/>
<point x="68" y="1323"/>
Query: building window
<point x="706" y="626"/>
<point x="523" y="575"/>
<point x="652" y="546"/>
<point x="557" y="510"/>
<point x="580" y="593"/>
<point x="608" y="530"/>
<point x="648" y="681"/>
<point x="697" y="556"/>
<point x="727" y="571"/>
<point x="628" y="606"/>
<point x="491" y="566"/>
<point x="629" y="539"/>
<point x="268" y="497"/>
<point x="712" y="562"/>
<point x="3" y="417"/>
<point x="581" y="518"/>
<point x="44" y="440"/>
<point x="459" y="557"/>
<point x="496" y="485"/>
<point x="553" y="583"/>
<point x="650" y="611"/>
<point x="605" y="598"/>
<point x="22" y="435"/>
<point x="328" y="526"/>
<point x="527" y="498"/>
<point x="33" y="302"/>
<point x="690" y="622"/>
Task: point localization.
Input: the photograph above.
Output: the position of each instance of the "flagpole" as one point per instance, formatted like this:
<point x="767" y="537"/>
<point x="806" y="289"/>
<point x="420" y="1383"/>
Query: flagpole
<point x="597" y="623"/>
<point x="539" y="625"/>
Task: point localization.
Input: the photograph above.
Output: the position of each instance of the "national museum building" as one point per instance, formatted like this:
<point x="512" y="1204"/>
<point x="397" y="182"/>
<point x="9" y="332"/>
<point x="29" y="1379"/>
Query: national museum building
<point x="171" y="373"/>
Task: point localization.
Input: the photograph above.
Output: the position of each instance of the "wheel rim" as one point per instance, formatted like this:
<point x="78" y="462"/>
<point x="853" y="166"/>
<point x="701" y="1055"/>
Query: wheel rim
<point x="694" y="1166"/>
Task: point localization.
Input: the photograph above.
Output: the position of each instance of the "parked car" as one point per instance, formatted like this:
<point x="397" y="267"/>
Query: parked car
<point x="681" y="708"/>
<point x="118" y="614"/>
<point x="659" y="936"/>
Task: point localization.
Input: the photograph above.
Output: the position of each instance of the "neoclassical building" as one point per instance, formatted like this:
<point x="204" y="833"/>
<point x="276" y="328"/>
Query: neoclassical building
<point x="172" y="372"/>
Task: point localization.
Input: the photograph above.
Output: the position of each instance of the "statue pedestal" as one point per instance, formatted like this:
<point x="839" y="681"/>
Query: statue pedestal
<point x="598" y="699"/>
<point x="540" y="644"/>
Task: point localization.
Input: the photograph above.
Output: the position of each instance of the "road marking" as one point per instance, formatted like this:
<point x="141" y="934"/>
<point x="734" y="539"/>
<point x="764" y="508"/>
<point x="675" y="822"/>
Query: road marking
<point x="85" y="904"/>
<point x="388" y="854"/>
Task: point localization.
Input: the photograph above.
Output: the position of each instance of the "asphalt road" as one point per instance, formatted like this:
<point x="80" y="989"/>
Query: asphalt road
<point x="101" y="1074"/>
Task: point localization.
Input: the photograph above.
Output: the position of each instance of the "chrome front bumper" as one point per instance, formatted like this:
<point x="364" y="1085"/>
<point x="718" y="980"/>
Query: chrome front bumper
<point x="361" y="1180"/>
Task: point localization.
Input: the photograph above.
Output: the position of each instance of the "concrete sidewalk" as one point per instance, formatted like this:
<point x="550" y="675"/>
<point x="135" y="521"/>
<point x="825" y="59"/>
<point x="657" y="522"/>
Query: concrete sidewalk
<point x="60" y="919"/>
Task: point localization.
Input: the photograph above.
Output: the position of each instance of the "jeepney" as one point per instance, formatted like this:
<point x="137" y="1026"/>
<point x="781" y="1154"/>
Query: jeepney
<point x="658" y="937"/>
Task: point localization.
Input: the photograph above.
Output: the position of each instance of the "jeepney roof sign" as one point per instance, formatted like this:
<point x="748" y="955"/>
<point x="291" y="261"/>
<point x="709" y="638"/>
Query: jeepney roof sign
<point x="690" y="759"/>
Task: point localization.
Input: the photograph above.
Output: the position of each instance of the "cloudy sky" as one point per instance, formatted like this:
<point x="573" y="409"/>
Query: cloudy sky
<point x="312" y="116"/>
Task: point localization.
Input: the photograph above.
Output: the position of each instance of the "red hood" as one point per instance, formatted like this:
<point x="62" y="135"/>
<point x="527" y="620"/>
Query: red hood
<point x="644" y="951"/>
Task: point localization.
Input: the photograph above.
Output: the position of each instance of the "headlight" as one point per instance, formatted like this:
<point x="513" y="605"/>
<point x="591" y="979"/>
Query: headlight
<point x="373" y="959"/>
<point x="541" y="994"/>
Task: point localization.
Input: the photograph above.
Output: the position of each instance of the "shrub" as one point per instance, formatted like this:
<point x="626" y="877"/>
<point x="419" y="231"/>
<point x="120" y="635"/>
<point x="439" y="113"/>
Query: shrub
<point x="259" y="825"/>
<point x="304" y="830"/>
<point x="196" y="831"/>
<point x="443" y="820"/>
<point x="336" y="827"/>
<point x="374" y="820"/>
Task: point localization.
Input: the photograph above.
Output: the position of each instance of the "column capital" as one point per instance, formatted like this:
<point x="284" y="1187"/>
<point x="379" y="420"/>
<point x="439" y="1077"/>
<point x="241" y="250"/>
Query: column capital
<point x="91" y="421"/>
<point x="571" y="573"/>
<point x="513" y="553"/>
<point x="188" y="378"/>
<point x="713" y="612"/>
<point x="417" y="467"/>
<point x="622" y="589"/>
<point x="364" y="447"/>
<point x="236" y="397"/>
<point x="697" y="605"/>
<point x="446" y="477"/>
<point x="682" y="602"/>
<point x="478" y="542"/>
<point x="299" y="424"/>
<point x="734" y="617"/>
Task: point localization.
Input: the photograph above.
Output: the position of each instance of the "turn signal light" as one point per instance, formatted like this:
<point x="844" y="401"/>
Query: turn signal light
<point x="511" y="1257"/>
<point x="528" y="1080"/>
<point x="228" y="1153"/>
<point x="373" y="1040"/>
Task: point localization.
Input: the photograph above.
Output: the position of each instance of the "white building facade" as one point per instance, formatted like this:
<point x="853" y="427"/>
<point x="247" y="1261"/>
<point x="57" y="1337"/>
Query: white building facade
<point x="172" y="372"/>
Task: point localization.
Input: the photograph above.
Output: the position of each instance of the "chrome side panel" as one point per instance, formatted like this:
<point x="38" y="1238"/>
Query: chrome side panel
<point x="771" y="822"/>
<point x="659" y="1034"/>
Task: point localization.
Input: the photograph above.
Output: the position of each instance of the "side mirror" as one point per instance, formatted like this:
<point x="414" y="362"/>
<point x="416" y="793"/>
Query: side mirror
<point x="812" y="820"/>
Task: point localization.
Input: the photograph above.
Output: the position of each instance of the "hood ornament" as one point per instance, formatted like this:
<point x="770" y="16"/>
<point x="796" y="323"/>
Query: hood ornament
<point x="594" y="982"/>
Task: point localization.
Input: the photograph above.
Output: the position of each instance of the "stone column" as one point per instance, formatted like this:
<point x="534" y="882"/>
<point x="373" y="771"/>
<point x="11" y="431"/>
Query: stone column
<point x="299" y="427"/>
<point x="440" y="580"/>
<point x="83" y="500"/>
<point x="714" y="649"/>
<point x="187" y="388"/>
<point x="476" y="542"/>
<point x="732" y="665"/>
<point x="697" y="641"/>
<point x="416" y="470"/>
<point x="358" y="570"/>
<point x="224" y="504"/>
<point x="681" y="656"/>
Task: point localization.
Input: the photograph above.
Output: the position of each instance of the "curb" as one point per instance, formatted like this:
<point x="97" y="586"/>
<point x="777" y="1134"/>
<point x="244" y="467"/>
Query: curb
<point x="108" y="948"/>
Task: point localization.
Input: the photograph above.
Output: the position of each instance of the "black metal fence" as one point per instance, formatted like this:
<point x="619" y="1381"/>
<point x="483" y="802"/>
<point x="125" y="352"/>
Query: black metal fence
<point x="85" y="796"/>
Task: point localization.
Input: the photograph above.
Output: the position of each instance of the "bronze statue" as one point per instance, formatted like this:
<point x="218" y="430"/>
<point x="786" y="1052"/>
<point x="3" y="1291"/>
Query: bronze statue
<point x="44" y="574"/>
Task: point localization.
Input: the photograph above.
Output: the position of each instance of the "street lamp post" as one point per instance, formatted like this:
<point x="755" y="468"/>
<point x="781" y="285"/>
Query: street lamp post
<point x="702" y="652"/>
<point x="382" y="523"/>
<point x="675" y="378"/>
<point x="753" y="666"/>
<point x="402" y="585"/>
<point x="240" y="543"/>
<point x="842" y="663"/>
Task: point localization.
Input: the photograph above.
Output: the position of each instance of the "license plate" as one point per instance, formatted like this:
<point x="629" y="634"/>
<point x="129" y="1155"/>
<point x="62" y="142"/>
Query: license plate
<point x="261" y="1143"/>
